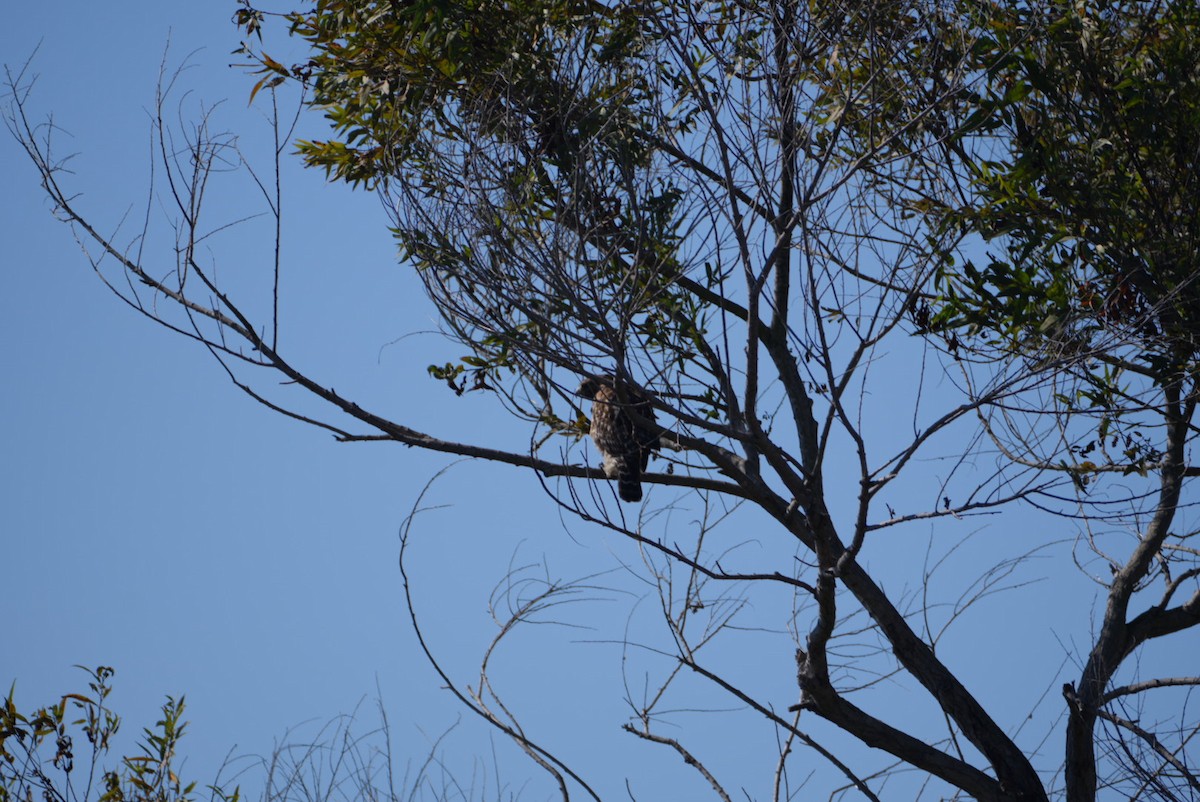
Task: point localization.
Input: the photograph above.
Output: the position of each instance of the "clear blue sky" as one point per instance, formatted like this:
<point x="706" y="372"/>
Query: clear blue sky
<point x="155" y="519"/>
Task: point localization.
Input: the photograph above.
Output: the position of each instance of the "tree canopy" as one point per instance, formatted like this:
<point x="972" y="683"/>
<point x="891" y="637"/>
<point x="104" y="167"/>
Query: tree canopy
<point x="830" y="244"/>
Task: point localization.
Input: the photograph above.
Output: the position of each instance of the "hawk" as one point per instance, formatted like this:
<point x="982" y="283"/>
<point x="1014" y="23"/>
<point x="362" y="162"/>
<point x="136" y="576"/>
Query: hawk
<point x="624" y="443"/>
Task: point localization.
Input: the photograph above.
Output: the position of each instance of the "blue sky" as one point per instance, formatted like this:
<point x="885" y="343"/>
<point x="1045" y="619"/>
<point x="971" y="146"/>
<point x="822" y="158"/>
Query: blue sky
<point x="154" y="518"/>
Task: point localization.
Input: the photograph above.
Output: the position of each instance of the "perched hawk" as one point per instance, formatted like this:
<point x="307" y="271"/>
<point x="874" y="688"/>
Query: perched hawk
<point x="624" y="443"/>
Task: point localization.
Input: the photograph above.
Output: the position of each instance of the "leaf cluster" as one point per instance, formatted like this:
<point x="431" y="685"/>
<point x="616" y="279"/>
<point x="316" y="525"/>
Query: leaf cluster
<point x="515" y="142"/>
<point x="38" y="751"/>
<point x="1089" y="200"/>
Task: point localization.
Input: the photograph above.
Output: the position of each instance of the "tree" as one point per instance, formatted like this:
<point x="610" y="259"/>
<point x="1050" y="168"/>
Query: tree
<point x="768" y="219"/>
<point x="340" y="759"/>
<point x="1092" y="201"/>
<point x="30" y="762"/>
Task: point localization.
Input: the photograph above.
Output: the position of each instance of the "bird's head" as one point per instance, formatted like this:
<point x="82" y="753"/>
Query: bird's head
<point x="590" y="386"/>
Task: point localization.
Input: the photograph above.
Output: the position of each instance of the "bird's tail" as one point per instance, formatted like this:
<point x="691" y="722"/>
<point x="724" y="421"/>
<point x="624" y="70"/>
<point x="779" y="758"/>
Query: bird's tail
<point x="629" y="481"/>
